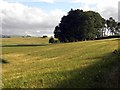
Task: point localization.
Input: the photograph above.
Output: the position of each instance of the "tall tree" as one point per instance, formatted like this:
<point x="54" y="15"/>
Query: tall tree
<point x="79" y="25"/>
<point x="111" y="25"/>
<point x="117" y="31"/>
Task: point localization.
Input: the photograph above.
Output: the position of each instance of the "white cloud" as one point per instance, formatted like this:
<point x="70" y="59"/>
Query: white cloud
<point x="46" y="1"/>
<point x="110" y="12"/>
<point x="102" y="3"/>
<point x="106" y="8"/>
<point x="20" y="19"/>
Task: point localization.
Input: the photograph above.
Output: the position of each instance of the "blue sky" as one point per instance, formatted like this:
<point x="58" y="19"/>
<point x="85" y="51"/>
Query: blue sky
<point x="39" y="17"/>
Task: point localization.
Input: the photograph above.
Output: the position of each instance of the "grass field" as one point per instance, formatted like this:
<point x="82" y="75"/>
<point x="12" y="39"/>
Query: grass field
<point x="17" y="40"/>
<point x="87" y="64"/>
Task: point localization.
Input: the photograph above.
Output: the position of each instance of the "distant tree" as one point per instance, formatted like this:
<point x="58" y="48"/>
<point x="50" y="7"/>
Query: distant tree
<point x="117" y="31"/>
<point x="51" y="40"/>
<point x="44" y="36"/>
<point x="111" y="25"/>
<point x="6" y="36"/>
<point x="79" y="25"/>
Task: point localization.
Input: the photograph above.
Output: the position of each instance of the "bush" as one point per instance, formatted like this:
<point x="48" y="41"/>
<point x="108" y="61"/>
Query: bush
<point x="44" y="36"/>
<point x="56" y="41"/>
<point x="51" y="40"/>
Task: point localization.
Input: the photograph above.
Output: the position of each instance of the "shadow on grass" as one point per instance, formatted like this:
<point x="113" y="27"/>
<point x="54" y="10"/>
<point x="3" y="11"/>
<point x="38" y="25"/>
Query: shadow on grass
<point x="23" y="45"/>
<point x="96" y="75"/>
<point x="2" y="61"/>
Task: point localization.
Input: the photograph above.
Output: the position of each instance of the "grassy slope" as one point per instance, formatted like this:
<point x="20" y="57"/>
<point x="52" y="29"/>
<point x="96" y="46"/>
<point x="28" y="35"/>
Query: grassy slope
<point x="81" y="64"/>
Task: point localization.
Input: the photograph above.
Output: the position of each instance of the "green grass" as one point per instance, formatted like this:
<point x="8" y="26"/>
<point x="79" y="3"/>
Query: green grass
<point x="87" y="64"/>
<point x="18" y="40"/>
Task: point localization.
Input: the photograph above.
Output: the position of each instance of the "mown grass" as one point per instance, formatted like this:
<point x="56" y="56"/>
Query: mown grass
<point x="86" y="64"/>
<point x="18" y="40"/>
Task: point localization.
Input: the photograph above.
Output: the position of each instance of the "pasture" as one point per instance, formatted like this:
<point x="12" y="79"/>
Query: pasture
<point x="20" y="40"/>
<point x="87" y="64"/>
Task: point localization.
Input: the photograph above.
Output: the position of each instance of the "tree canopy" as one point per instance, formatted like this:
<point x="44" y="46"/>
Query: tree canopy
<point x="79" y="25"/>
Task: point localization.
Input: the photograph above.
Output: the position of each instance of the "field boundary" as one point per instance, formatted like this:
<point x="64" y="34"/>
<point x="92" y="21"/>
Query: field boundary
<point x="19" y="45"/>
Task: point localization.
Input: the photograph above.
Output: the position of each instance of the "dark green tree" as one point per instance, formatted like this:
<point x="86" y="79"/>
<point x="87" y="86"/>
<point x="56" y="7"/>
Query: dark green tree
<point x="51" y="40"/>
<point x="95" y="25"/>
<point x="79" y="25"/>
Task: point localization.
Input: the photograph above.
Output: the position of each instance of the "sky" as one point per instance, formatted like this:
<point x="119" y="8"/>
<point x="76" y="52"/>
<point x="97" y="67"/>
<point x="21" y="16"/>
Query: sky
<point x="39" y="17"/>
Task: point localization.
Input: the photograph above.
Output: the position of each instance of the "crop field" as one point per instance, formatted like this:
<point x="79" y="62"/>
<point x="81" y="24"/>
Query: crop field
<point x="85" y="64"/>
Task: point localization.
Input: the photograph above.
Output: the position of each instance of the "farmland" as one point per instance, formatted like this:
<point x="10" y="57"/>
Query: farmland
<point x="87" y="64"/>
<point x="15" y="40"/>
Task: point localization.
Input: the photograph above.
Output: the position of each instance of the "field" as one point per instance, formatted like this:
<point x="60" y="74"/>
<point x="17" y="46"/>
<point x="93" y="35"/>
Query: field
<point x="87" y="64"/>
<point x="8" y="41"/>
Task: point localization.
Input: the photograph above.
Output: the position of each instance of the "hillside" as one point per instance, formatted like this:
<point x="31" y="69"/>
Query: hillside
<point x="87" y="64"/>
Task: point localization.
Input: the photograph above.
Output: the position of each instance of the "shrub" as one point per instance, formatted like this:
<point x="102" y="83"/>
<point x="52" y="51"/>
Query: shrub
<point x="51" y="40"/>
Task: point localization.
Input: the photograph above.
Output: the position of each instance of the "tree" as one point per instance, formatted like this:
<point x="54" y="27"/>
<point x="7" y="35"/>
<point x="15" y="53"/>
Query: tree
<point x="79" y="25"/>
<point x="95" y="24"/>
<point x="51" y="40"/>
<point x="111" y="25"/>
<point x="117" y="31"/>
<point x="102" y="30"/>
<point x="45" y="36"/>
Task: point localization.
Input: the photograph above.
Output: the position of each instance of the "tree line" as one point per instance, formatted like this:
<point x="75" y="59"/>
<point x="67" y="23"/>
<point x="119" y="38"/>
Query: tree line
<point x="79" y="25"/>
